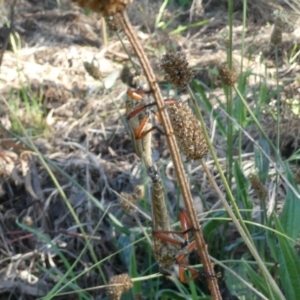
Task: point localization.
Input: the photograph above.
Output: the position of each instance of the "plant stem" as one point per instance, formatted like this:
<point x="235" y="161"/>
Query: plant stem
<point x="178" y="166"/>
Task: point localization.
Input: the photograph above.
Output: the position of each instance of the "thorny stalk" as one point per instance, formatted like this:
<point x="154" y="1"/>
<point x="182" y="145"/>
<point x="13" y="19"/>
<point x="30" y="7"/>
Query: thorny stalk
<point x="178" y="166"/>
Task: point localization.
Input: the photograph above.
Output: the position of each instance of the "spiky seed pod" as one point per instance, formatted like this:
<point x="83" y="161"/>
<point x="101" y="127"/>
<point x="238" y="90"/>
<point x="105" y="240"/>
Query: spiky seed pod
<point x="118" y="284"/>
<point x="104" y="7"/>
<point x="228" y="77"/>
<point x="139" y="192"/>
<point x="259" y="189"/>
<point x="187" y="130"/>
<point x="175" y="66"/>
<point x="127" y="202"/>
<point x="92" y="70"/>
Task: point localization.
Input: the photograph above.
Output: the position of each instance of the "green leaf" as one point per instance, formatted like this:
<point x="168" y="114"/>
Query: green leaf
<point x="289" y="265"/>
<point x="289" y="219"/>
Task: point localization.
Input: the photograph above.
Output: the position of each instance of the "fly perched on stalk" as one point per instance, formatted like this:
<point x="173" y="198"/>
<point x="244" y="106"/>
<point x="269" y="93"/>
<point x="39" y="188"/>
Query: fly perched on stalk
<point x="170" y="249"/>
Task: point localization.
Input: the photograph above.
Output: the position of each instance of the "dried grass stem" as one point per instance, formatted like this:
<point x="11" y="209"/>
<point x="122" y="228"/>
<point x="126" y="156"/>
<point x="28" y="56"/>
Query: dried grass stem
<point x="178" y="166"/>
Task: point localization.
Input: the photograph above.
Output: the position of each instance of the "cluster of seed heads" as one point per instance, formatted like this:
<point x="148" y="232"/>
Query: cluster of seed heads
<point x="177" y="70"/>
<point x="187" y="130"/>
<point x="118" y="284"/>
<point x="104" y="7"/>
<point x="259" y="189"/>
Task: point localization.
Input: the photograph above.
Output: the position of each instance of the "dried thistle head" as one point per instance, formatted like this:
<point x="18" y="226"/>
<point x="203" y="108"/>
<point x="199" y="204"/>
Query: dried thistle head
<point x="128" y="202"/>
<point x="118" y="284"/>
<point x="228" y="77"/>
<point x="92" y="70"/>
<point x="187" y="130"/>
<point x="104" y="7"/>
<point x="177" y="70"/>
<point x="259" y="189"/>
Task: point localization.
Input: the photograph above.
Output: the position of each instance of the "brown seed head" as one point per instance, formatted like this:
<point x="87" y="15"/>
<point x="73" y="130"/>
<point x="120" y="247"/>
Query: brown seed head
<point x="259" y="189"/>
<point x="92" y="70"/>
<point x="187" y="130"/>
<point x="297" y="176"/>
<point x="280" y="21"/>
<point x="228" y="77"/>
<point x="118" y="284"/>
<point x="113" y="23"/>
<point x="105" y="7"/>
<point x="176" y="68"/>
<point x="127" y="202"/>
<point x="139" y="192"/>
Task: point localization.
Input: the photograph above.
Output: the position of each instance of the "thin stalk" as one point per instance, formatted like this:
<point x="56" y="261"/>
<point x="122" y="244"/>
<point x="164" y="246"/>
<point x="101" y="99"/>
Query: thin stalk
<point x="229" y="100"/>
<point x="236" y="217"/>
<point x="240" y="140"/>
<point x="178" y="166"/>
<point x="277" y="122"/>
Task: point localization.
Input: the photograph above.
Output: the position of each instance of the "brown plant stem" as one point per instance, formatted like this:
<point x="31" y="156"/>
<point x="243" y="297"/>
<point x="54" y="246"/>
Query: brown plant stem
<point x="178" y="166"/>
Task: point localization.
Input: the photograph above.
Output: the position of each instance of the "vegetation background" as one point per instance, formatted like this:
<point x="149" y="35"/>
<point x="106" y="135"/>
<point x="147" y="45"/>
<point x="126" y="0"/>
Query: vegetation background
<point x="66" y="153"/>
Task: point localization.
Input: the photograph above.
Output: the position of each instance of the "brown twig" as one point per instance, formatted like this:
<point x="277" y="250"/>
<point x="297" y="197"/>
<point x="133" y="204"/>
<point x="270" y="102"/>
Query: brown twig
<point x="178" y="166"/>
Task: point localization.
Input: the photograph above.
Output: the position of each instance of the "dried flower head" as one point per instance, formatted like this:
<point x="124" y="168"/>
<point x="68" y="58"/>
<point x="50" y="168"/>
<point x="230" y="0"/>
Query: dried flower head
<point x="176" y="68"/>
<point x="297" y="176"/>
<point x="280" y="21"/>
<point x="139" y="192"/>
<point x="139" y="296"/>
<point x="118" y="284"/>
<point x="224" y="37"/>
<point x="187" y="130"/>
<point x="92" y="70"/>
<point x="259" y="189"/>
<point x="127" y="202"/>
<point x="113" y="23"/>
<point x="228" y="77"/>
<point x="105" y="7"/>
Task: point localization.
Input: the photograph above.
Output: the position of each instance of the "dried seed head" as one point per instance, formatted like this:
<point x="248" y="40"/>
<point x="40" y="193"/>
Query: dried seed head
<point x="113" y="23"/>
<point x="259" y="189"/>
<point x="92" y="70"/>
<point x="27" y="220"/>
<point x="139" y="192"/>
<point x="118" y="284"/>
<point x="176" y="68"/>
<point x="228" y="77"/>
<point x="127" y="202"/>
<point x="139" y="296"/>
<point x="105" y="7"/>
<point x="224" y="37"/>
<point x="187" y="130"/>
<point x="280" y="20"/>
<point x="297" y="176"/>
